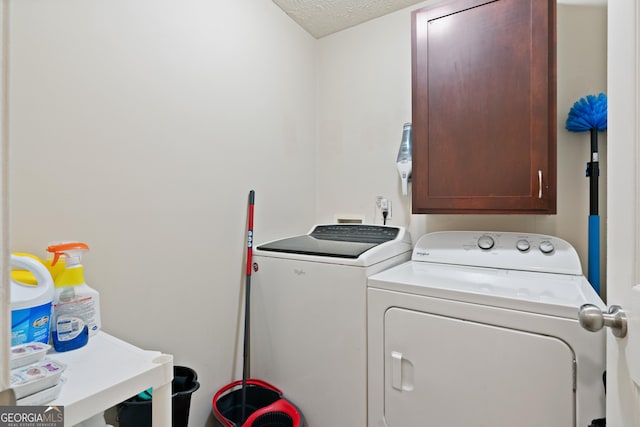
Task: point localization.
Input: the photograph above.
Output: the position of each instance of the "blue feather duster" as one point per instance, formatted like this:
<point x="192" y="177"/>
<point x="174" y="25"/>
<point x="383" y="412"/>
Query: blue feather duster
<point x="587" y="114"/>
<point x="591" y="115"/>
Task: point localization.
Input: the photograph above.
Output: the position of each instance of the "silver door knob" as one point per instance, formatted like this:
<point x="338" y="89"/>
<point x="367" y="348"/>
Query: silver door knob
<point x="592" y="319"/>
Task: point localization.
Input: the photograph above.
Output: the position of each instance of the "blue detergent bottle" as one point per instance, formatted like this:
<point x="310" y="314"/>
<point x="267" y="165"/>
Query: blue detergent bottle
<point x="32" y="294"/>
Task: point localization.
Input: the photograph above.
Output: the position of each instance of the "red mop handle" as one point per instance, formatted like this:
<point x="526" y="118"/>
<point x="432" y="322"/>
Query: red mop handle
<point x="250" y="234"/>
<point x="245" y="357"/>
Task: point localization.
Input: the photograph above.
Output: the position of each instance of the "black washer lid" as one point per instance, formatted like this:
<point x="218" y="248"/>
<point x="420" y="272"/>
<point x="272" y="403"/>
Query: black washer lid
<point x="337" y="240"/>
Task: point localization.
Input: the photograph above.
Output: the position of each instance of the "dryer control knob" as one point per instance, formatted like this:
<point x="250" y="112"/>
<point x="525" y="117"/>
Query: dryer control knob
<point x="523" y="245"/>
<point x="485" y="242"/>
<point x="546" y="247"/>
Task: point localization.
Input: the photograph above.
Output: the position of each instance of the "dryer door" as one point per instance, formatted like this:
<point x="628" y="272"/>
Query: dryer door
<point x="444" y="371"/>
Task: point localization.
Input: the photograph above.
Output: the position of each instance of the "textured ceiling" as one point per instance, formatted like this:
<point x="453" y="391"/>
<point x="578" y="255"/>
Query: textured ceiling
<point x="323" y="17"/>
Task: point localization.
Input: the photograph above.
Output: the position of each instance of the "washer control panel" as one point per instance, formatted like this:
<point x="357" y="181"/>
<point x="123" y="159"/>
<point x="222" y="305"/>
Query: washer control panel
<point x="505" y="250"/>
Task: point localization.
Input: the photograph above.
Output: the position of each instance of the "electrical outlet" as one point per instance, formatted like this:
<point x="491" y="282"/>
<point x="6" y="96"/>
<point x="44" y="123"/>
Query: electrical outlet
<point x="384" y="205"/>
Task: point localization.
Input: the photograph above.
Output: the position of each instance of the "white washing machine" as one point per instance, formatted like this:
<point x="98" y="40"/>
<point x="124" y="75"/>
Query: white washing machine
<point x="309" y="316"/>
<point x="481" y="329"/>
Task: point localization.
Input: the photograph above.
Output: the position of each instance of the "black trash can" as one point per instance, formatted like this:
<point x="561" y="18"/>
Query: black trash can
<point x="136" y="411"/>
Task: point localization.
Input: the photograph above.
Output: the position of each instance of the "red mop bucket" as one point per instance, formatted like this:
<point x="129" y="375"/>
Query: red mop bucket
<point x="264" y="406"/>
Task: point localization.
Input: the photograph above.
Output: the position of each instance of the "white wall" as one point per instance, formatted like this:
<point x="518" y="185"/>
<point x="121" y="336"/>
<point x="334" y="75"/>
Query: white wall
<point x="139" y="127"/>
<point x="364" y="97"/>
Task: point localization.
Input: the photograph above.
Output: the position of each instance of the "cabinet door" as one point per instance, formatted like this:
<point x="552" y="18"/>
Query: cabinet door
<point x="484" y="107"/>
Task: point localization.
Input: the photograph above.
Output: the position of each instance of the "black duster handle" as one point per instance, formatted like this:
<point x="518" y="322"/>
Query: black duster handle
<point x="593" y="172"/>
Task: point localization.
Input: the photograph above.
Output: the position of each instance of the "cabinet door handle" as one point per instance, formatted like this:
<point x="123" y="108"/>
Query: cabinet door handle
<point x="539" y="184"/>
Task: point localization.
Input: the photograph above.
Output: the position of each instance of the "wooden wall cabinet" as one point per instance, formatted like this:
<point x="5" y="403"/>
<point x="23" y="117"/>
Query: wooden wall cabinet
<point x="484" y="107"/>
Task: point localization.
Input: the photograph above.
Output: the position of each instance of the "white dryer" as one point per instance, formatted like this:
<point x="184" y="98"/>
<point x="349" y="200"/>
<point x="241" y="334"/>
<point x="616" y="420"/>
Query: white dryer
<point x="481" y="329"/>
<point x="309" y="316"/>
